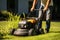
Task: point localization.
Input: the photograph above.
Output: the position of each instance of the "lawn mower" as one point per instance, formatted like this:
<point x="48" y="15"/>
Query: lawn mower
<point x="28" y="26"/>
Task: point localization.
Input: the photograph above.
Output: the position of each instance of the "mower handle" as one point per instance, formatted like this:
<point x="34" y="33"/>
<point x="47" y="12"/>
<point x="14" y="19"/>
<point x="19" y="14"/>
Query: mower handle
<point x="41" y="11"/>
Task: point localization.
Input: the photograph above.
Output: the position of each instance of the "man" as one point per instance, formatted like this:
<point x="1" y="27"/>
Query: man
<point x="43" y="5"/>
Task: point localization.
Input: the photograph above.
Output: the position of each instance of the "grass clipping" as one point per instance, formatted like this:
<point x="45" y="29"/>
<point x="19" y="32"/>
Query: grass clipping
<point x="12" y="22"/>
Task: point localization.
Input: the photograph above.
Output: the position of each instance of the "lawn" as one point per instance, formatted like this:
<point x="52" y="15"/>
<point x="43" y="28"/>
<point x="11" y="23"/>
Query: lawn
<point x="54" y="33"/>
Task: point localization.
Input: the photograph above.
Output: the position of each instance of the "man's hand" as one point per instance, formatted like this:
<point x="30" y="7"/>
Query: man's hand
<point x="46" y="6"/>
<point x="33" y="6"/>
<point x="32" y="9"/>
<point x="44" y="10"/>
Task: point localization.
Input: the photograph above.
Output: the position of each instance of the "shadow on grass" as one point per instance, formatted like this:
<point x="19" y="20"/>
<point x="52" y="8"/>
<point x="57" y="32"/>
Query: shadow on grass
<point x="54" y="32"/>
<point x="4" y="38"/>
<point x="21" y="36"/>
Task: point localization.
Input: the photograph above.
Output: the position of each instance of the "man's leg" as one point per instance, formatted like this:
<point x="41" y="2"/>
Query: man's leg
<point x="48" y="14"/>
<point x="40" y="15"/>
<point x="39" y="23"/>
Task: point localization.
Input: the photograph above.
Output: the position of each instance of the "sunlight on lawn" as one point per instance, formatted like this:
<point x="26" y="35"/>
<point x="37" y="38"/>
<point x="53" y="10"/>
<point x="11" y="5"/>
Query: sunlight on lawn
<point x="53" y="35"/>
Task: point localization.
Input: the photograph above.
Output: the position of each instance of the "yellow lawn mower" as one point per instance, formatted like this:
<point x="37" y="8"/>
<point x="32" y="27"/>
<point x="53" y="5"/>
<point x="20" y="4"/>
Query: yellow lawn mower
<point x="28" y="26"/>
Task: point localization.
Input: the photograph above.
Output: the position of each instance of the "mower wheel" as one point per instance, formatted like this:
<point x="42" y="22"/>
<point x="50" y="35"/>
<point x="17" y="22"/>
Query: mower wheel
<point x="32" y="32"/>
<point x="21" y="32"/>
<point x="41" y="31"/>
<point x="12" y="31"/>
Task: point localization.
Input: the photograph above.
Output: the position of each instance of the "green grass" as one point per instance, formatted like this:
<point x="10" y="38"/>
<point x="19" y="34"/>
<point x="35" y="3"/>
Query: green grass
<point x="53" y="35"/>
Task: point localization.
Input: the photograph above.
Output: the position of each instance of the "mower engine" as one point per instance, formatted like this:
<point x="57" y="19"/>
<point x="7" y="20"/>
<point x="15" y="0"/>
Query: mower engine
<point x="27" y="24"/>
<point x="22" y="24"/>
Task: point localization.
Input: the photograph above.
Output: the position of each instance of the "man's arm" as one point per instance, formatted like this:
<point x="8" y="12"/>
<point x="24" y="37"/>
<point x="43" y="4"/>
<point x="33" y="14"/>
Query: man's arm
<point x="47" y="4"/>
<point x="33" y="6"/>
